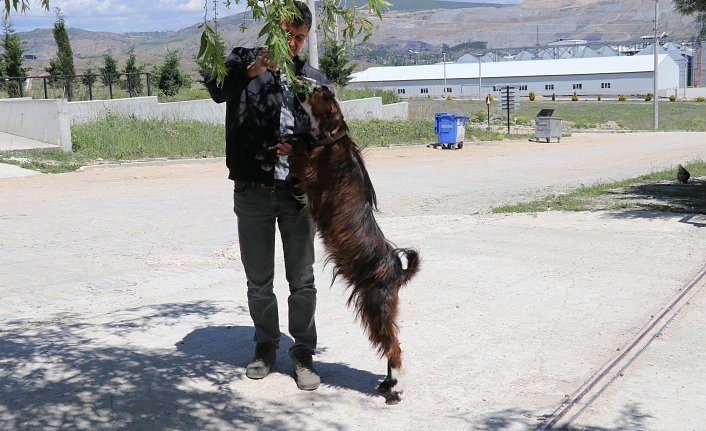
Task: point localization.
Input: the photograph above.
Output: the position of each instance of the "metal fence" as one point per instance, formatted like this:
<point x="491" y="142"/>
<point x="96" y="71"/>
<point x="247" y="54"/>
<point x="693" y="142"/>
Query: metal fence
<point x="78" y="87"/>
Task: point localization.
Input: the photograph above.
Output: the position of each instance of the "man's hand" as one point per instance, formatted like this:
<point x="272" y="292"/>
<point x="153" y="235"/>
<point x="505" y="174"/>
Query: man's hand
<point x="260" y="64"/>
<point x="284" y="149"/>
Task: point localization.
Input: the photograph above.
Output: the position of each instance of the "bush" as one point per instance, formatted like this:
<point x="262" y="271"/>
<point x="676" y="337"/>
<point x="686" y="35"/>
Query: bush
<point x="672" y="98"/>
<point x="622" y="98"/>
<point x="574" y="97"/>
<point x="648" y="97"/>
<point x="522" y="120"/>
<point x="531" y="96"/>
<point x="553" y="97"/>
<point x="478" y="117"/>
<point x="449" y="97"/>
<point x="700" y="99"/>
<point x="599" y="98"/>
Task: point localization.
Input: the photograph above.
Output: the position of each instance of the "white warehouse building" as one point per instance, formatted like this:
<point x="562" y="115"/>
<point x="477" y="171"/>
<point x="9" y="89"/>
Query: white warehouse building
<point x="593" y="76"/>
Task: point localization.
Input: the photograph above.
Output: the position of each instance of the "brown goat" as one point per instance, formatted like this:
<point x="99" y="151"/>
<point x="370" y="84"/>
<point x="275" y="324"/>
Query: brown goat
<point x="328" y="167"/>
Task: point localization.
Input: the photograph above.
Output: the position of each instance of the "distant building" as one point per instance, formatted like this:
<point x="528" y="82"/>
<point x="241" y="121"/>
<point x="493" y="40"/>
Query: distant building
<point x="29" y="56"/>
<point x="630" y="75"/>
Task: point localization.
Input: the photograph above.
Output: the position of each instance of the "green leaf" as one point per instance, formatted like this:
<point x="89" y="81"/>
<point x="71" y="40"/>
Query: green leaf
<point x="204" y="45"/>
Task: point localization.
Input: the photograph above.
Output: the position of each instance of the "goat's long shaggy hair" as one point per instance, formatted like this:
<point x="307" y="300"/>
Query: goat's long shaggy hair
<point x="330" y="170"/>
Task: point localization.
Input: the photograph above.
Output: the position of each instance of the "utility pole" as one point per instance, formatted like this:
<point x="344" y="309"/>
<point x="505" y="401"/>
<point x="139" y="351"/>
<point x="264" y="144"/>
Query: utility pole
<point x="538" y="35"/>
<point x="444" y="56"/>
<point x="480" y="82"/>
<point x="656" y="66"/>
<point x="313" y="43"/>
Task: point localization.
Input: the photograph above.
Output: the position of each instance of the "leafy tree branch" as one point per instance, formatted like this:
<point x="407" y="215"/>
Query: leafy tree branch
<point x="351" y="20"/>
<point x="693" y="7"/>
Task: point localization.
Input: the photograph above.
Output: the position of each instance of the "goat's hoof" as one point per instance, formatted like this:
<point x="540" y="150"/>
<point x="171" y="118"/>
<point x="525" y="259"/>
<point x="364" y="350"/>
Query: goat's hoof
<point x="391" y="395"/>
<point x="393" y="398"/>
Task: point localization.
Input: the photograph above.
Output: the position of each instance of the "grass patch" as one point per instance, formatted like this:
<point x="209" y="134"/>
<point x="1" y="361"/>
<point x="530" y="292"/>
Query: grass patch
<point x="656" y="191"/>
<point x="46" y="161"/>
<point x="116" y="138"/>
<point x="381" y="133"/>
<point x="384" y="133"/>
<point x="129" y="138"/>
<point x="196" y="91"/>
<point x="345" y="93"/>
<point x="631" y="115"/>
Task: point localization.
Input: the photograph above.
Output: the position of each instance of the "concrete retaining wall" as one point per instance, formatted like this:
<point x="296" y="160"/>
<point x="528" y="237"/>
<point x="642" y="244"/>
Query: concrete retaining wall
<point x="50" y="120"/>
<point x="214" y="113"/>
<point x="395" y="111"/>
<point x="198" y="110"/>
<point x="94" y="110"/>
<point x="148" y="108"/>
<point x="42" y="120"/>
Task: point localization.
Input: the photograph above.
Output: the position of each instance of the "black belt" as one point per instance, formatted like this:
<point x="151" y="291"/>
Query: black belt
<point x="274" y="184"/>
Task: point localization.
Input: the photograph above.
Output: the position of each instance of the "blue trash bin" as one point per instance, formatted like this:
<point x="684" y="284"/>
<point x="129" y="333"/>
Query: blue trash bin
<point x="450" y="129"/>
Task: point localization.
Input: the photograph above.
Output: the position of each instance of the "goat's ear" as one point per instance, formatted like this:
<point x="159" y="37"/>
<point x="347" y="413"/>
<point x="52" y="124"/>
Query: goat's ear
<point x="328" y="92"/>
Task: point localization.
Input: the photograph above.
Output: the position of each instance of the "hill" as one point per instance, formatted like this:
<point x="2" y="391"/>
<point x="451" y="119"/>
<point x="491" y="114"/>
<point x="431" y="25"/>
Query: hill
<point x="427" y="23"/>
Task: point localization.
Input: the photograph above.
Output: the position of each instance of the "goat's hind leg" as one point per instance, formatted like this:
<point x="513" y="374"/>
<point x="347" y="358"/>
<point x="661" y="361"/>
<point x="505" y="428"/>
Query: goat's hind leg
<point x="391" y="388"/>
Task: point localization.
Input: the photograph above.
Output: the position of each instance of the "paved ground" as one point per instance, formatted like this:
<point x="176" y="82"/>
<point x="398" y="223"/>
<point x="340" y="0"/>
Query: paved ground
<point x="13" y="142"/>
<point x="124" y="301"/>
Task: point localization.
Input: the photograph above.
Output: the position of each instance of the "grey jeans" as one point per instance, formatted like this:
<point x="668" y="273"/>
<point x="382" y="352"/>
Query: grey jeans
<point x="258" y="212"/>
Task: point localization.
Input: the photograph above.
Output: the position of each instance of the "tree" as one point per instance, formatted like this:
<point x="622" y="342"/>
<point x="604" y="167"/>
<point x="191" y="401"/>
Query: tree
<point x="690" y="7"/>
<point x="110" y="67"/>
<point x="693" y="7"/>
<point x="12" y="60"/>
<point x="88" y="78"/>
<point x="334" y="64"/>
<point x="61" y="68"/>
<point x="133" y="83"/>
<point x="169" y="78"/>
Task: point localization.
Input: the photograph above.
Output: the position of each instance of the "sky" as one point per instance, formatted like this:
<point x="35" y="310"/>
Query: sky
<point x="119" y="16"/>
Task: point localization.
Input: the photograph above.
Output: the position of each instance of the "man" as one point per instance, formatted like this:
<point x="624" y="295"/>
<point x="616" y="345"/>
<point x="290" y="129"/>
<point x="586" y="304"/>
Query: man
<point x="260" y="106"/>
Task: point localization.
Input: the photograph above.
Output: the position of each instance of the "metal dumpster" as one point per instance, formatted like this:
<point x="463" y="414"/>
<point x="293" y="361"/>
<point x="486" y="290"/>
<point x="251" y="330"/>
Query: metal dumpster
<point x="451" y="130"/>
<point x="546" y="126"/>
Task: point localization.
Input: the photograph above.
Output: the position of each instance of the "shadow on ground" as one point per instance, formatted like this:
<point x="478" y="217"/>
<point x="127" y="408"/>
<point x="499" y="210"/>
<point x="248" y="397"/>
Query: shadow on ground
<point x="630" y="418"/>
<point x="206" y="343"/>
<point x="69" y="374"/>
<point x="668" y="196"/>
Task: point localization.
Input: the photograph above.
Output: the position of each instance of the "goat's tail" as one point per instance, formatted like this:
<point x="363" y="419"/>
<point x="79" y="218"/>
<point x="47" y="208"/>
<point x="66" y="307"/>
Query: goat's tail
<point x="412" y="257"/>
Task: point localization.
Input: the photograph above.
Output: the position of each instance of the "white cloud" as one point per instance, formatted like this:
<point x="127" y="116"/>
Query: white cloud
<point x="188" y="6"/>
<point x="120" y="15"/>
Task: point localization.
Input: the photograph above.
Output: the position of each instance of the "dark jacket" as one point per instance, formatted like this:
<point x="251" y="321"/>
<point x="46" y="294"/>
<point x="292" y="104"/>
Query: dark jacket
<point x="253" y="107"/>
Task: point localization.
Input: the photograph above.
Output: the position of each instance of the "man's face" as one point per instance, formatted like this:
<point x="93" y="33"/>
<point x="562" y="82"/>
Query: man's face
<point x="297" y="37"/>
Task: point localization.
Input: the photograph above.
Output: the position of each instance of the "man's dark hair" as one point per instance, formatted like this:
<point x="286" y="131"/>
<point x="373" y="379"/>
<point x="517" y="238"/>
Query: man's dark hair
<point x="305" y="15"/>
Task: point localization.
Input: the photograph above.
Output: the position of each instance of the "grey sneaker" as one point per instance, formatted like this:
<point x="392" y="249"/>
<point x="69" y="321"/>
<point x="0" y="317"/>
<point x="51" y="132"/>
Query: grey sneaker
<point x="264" y="359"/>
<point x="304" y="373"/>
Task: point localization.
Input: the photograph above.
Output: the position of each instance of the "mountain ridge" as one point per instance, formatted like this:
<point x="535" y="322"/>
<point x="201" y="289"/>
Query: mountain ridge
<point x="529" y="23"/>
